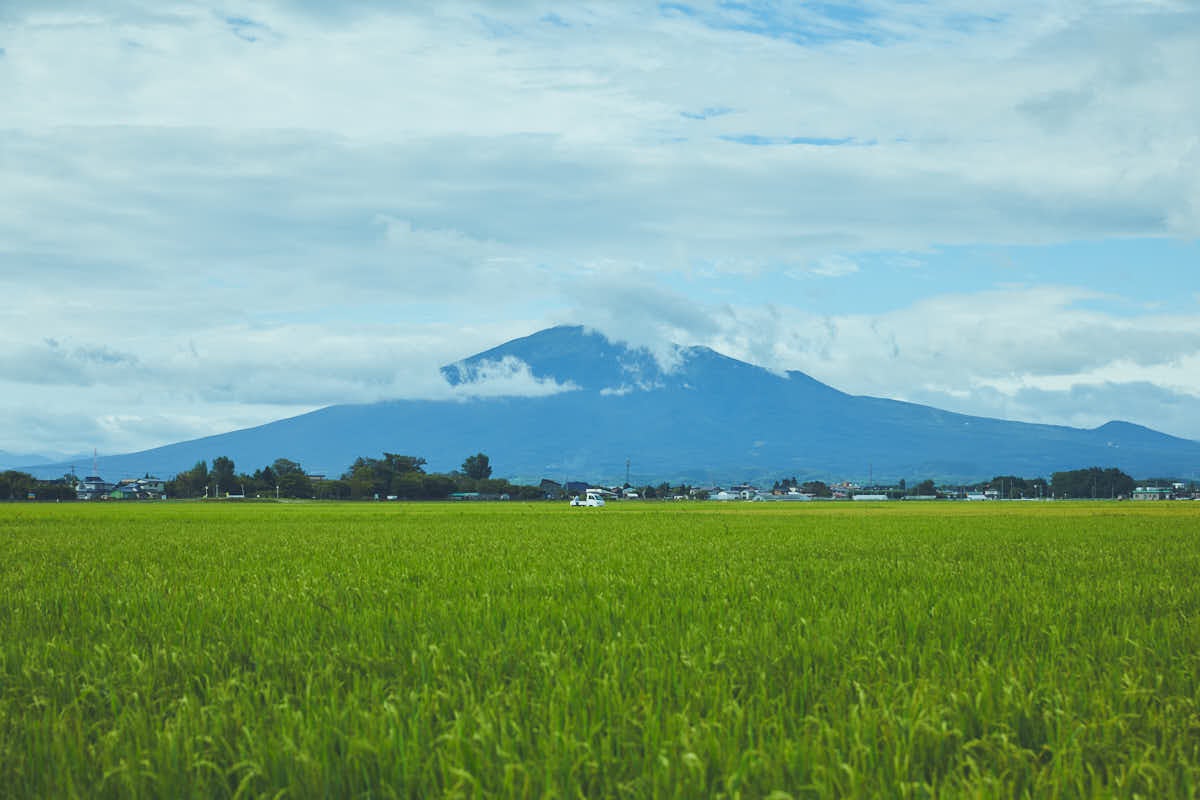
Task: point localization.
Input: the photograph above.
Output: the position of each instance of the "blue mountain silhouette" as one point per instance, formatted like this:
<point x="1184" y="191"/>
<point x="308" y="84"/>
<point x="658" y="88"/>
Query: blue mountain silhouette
<point x="704" y="418"/>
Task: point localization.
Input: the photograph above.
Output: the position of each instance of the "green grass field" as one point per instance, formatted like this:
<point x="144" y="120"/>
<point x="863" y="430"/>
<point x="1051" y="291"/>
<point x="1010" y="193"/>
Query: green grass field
<point x="655" y="650"/>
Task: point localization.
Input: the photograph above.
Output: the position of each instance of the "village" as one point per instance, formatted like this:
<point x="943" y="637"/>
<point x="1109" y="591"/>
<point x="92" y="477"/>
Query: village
<point x="93" y="488"/>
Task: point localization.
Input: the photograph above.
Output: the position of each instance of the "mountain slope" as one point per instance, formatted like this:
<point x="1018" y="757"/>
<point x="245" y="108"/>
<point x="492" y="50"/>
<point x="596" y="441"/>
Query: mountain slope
<point x="705" y="419"/>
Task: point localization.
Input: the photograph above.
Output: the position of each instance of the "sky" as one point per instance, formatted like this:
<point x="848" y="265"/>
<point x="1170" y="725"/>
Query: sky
<point x="215" y="215"/>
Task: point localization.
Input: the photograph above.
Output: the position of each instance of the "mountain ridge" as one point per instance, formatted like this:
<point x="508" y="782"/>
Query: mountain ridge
<point x="702" y="417"/>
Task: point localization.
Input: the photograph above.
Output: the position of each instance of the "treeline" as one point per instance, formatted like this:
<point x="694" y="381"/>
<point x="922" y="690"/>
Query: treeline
<point x="393" y="476"/>
<point x="283" y="478"/>
<point x="1078" y="484"/>
<point x="814" y="488"/>
<point x="405" y="477"/>
<point x="23" y="486"/>
<point x="1093" y="482"/>
<point x="665" y="491"/>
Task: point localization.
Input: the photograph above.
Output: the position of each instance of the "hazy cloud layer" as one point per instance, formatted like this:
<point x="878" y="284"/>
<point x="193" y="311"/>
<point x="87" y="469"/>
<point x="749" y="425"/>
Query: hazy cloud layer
<point x="213" y="217"/>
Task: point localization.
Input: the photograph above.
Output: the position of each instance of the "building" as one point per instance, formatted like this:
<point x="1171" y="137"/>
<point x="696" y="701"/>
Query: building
<point x="1151" y="493"/>
<point x="93" y="487"/>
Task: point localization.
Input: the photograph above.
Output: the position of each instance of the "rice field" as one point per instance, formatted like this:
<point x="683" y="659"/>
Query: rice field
<point x="639" y="650"/>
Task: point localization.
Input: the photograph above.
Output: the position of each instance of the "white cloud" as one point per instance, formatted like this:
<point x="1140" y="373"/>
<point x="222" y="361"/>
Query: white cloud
<point x="505" y="377"/>
<point x="832" y="266"/>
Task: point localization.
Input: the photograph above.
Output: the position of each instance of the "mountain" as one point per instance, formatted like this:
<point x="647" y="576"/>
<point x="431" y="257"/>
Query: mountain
<point x="705" y="418"/>
<point x="13" y="460"/>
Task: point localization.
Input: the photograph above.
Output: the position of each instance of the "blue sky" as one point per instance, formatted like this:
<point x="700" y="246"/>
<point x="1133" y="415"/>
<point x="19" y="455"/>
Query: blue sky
<point x="213" y="215"/>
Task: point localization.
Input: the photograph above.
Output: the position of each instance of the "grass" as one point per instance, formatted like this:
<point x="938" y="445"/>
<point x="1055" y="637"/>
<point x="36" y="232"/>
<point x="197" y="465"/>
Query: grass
<point x="640" y="650"/>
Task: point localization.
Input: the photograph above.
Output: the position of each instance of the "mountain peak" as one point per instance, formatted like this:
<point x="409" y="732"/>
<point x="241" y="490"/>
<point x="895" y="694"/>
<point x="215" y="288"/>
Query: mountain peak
<point x="578" y="357"/>
<point x="1121" y="431"/>
<point x="567" y="354"/>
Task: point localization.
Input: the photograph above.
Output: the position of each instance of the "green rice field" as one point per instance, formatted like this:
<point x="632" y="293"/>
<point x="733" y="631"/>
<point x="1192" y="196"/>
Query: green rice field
<point x="638" y="650"/>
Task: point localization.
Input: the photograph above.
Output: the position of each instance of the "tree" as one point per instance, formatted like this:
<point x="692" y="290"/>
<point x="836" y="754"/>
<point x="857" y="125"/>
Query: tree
<point x="333" y="490"/>
<point x="283" y="466"/>
<point x="368" y="477"/>
<point x="15" y="485"/>
<point x="222" y="474"/>
<point x="925" y="488"/>
<point x="437" y="487"/>
<point x="477" y="467"/>
<point x="53" y="490"/>
<point x="816" y="489"/>
<point x="408" y="486"/>
<point x="1012" y="487"/>
<point x="400" y="464"/>
<point x="294" y="484"/>
<point x="190" y="483"/>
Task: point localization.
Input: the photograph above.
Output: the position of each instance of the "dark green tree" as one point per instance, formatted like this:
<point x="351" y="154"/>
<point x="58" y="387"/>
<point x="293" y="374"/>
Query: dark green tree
<point x="409" y="486"/>
<point x="477" y="467"/>
<point x="15" y="485"/>
<point x="925" y="488"/>
<point x="400" y="464"/>
<point x="437" y="487"/>
<point x="368" y="477"/>
<point x="53" y="490"/>
<point x="816" y="488"/>
<point x="222" y="476"/>
<point x="295" y="484"/>
<point x="190" y="483"/>
<point x="283" y="466"/>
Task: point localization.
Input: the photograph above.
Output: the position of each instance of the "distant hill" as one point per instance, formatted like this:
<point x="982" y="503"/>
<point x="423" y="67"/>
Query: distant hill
<point x="707" y="419"/>
<point x="13" y="460"/>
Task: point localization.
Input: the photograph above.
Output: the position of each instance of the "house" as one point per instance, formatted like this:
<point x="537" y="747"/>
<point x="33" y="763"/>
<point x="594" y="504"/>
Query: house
<point x="1151" y="493"/>
<point x="92" y="487"/>
<point x="153" y="487"/>
<point x="551" y="490"/>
